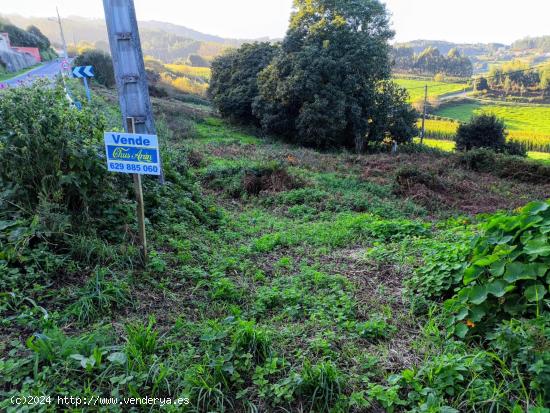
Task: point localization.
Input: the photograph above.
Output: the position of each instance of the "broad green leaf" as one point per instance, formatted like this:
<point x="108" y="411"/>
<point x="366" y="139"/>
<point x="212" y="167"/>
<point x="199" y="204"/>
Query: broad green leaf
<point x="497" y="269"/>
<point x="461" y="330"/>
<point x="478" y="294"/>
<point x="117" y="358"/>
<point x="497" y="288"/>
<point x="518" y="271"/>
<point x="472" y="273"/>
<point x="534" y="208"/>
<point x="486" y="261"/>
<point x="538" y="246"/>
<point x="478" y="312"/>
<point x="535" y="293"/>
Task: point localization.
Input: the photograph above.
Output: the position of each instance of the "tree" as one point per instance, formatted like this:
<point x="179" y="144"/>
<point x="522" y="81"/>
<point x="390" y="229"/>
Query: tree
<point x="483" y="131"/>
<point x="233" y="85"/>
<point x="103" y="64"/>
<point x="324" y="88"/>
<point x="481" y="84"/>
<point x="198" y="61"/>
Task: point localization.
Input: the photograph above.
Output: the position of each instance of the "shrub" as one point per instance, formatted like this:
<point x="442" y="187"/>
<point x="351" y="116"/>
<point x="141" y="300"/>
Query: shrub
<point x="103" y="64"/>
<point x="483" y="131"/>
<point x="237" y="181"/>
<point x="68" y="182"/>
<point x="507" y="271"/>
<point x="504" y="166"/>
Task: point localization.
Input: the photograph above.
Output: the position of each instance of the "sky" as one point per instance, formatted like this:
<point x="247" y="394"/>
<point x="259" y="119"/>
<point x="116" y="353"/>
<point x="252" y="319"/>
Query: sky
<point x="468" y="21"/>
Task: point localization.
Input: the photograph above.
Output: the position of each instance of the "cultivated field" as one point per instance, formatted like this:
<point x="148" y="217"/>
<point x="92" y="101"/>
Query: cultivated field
<point x="415" y="88"/>
<point x="529" y="125"/>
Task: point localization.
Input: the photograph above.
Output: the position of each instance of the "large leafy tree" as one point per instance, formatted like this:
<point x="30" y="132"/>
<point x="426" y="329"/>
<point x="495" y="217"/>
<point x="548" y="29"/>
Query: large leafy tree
<point x="324" y="88"/>
<point x="233" y="86"/>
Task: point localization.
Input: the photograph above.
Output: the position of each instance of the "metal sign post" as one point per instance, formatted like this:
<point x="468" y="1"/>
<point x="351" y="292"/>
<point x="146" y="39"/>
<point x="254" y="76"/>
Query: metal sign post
<point x="84" y="72"/>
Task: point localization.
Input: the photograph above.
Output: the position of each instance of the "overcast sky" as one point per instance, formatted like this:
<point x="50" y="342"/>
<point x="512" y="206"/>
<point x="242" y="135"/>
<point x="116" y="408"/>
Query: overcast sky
<point x="454" y="20"/>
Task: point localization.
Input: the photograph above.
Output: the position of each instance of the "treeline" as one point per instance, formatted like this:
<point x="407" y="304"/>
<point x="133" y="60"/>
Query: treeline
<point x="171" y="48"/>
<point x="431" y="62"/>
<point x="541" y="43"/>
<point x="32" y="37"/>
<point x="516" y="78"/>
<point x="328" y="84"/>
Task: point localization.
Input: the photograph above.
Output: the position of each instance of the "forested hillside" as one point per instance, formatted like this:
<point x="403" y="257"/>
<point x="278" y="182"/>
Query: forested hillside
<point x="167" y="42"/>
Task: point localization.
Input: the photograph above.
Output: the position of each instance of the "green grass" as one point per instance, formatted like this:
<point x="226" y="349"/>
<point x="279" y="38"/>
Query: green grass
<point x="435" y="89"/>
<point x="444" y="145"/>
<point x="517" y="118"/>
<point x="214" y="130"/>
<point x="11" y="75"/>
<point x="292" y="299"/>
<point x="540" y="156"/>
<point x="449" y="146"/>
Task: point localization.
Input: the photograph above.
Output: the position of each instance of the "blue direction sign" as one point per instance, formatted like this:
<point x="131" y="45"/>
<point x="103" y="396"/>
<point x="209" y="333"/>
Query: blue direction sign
<point x="83" y="72"/>
<point x="131" y="153"/>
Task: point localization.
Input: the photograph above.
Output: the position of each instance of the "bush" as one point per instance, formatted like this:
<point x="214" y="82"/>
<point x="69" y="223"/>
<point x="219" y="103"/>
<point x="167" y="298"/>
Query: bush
<point x="507" y="271"/>
<point x="483" y="131"/>
<point x="68" y="180"/>
<point x="103" y="64"/>
<point x="504" y="166"/>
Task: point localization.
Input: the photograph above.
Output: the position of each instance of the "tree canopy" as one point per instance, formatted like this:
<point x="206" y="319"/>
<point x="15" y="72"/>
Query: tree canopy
<point x="233" y="85"/>
<point x="326" y="85"/>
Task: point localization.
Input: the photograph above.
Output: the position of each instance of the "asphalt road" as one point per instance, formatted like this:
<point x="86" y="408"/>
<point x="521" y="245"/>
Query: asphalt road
<point x="48" y="70"/>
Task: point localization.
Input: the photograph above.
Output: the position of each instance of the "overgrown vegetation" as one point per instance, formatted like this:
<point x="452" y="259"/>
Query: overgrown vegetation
<point x="279" y="277"/>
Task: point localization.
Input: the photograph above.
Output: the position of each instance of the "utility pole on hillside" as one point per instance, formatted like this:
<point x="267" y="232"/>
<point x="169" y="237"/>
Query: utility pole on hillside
<point x="133" y="88"/>
<point x="423" y="132"/>
<point x="62" y="34"/>
<point x="131" y="78"/>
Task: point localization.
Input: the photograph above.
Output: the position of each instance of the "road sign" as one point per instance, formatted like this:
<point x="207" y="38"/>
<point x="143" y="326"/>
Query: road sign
<point x="65" y="65"/>
<point x="83" y="72"/>
<point x="132" y="153"/>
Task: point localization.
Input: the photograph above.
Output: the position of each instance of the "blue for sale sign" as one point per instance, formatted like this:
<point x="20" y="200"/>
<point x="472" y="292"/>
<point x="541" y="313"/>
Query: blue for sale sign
<point x="132" y="153"/>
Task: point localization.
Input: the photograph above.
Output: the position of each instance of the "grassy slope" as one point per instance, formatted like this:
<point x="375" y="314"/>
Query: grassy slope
<point x="317" y="272"/>
<point x="416" y="91"/>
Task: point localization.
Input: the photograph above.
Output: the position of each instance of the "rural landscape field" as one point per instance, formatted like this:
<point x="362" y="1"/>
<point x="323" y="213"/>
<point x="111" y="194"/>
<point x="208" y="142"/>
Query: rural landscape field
<point x="322" y="236"/>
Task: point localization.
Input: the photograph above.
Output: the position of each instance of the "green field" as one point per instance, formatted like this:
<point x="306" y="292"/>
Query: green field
<point x="449" y="146"/>
<point x="435" y="89"/>
<point x="518" y="118"/>
<point x="529" y="125"/>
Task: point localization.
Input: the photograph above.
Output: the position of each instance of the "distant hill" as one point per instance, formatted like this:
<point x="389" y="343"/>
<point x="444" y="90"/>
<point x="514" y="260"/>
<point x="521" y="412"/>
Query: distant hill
<point x="165" y="41"/>
<point x="469" y="50"/>
<point x="530" y="43"/>
<point x="532" y="51"/>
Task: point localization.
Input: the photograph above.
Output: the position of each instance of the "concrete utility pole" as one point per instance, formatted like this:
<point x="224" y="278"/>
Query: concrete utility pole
<point x="131" y="78"/>
<point x="423" y="132"/>
<point x="133" y="89"/>
<point x="62" y="34"/>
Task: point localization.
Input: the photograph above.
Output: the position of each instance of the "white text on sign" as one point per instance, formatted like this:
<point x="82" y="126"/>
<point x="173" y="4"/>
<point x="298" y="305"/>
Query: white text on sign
<point x="132" y="153"/>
